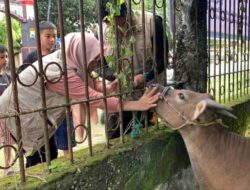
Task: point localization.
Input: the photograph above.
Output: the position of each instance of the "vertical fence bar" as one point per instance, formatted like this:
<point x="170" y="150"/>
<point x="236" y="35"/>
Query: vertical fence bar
<point x="15" y="91"/>
<point x="174" y="34"/>
<point x="241" y="21"/>
<point x="154" y="43"/>
<point x="103" y="71"/>
<point x="118" y="70"/>
<point x="245" y="47"/>
<point x="43" y="96"/>
<point x="144" y="53"/>
<point x="154" y="48"/>
<point x="131" y="33"/>
<point x="82" y="20"/>
<point x="197" y="68"/>
<point x="225" y="52"/>
<point x="66" y="88"/>
<point x="241" y="33"/>
<point x="229" y="52"/>
<point x="238" y="36"/>
<point x="165" y="42"/>
<point x="209" y="45"/>
<point x="219" y="57"/>
<point x="215" y="57"/>
<point x="234" y="51"/>
<point x="248" y="45"/>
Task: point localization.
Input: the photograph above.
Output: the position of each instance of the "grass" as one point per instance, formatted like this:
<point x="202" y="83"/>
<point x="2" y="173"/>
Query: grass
<point x="229" y="87"/>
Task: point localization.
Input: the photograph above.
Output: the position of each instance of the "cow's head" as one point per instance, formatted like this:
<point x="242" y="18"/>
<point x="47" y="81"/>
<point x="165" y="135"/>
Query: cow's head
<point x="180" y="107"/>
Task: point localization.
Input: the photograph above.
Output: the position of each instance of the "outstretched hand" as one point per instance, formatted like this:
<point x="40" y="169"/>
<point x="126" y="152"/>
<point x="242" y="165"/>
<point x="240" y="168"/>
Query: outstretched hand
<point x="149" y="99"/>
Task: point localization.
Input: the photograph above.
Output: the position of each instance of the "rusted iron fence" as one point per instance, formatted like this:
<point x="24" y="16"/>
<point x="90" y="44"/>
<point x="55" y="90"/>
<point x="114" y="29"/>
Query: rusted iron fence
<point x="228" y="61"/>
<point x="228" y="49"/>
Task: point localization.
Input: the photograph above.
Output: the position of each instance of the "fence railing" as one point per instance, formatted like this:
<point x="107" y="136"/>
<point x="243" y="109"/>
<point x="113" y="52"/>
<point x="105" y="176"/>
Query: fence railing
<point x="228" y="65"/>
<point x="17" y="111"/>
<point x="228" y="49"/>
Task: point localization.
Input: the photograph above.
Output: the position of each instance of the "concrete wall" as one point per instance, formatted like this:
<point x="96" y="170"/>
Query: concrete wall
<point x="145" y="163"/>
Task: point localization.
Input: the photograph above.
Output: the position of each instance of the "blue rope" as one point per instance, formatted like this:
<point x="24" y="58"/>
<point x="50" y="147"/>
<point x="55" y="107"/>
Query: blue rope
<point x="136" y="129"/>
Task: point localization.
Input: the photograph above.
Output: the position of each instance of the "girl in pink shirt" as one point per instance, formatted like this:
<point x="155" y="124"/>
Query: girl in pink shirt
<point x="75" y="61"/>
<point x="29" y="98"/>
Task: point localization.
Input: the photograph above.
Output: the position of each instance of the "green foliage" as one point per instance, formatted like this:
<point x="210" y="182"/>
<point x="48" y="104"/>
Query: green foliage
<point x="119" y="61"/>
<point x="70" y="13"/>
<point x="16" y="34"/>
<point x="114" y="7"/>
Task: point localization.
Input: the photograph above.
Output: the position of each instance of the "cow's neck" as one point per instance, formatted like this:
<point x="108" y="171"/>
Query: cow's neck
<point x="215" y="152"/>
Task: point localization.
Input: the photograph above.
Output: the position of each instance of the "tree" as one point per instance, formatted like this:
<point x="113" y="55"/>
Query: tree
<point x="70" y="13"/>
<point x="16" y="33"/>
<point x="191" y="45"/>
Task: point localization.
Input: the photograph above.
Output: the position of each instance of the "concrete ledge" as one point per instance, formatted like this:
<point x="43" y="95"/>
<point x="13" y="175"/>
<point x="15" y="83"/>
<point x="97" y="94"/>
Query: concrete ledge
<point x="143" y="163"/>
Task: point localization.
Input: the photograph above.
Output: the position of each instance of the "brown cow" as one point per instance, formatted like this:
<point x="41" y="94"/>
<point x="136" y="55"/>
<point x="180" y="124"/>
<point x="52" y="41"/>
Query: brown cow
<point x="220" y="159"/>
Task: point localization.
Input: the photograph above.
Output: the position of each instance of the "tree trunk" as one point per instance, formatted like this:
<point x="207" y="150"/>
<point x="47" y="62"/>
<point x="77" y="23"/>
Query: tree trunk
<point x="191" y="44"/>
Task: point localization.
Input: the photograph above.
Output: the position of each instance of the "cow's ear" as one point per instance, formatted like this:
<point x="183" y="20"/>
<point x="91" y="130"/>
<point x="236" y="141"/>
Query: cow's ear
<point x="220" y="109"/>
<point x="207" y="110"/>
<point x="199" y="109"/>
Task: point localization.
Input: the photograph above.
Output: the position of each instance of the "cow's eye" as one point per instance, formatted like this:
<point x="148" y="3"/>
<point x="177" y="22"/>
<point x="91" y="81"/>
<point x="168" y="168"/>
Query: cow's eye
<point x="181" y="96"/>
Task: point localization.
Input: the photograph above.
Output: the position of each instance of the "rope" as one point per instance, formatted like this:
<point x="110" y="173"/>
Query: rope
<point x="183" y="117"/>
<point x="136" y="130"/>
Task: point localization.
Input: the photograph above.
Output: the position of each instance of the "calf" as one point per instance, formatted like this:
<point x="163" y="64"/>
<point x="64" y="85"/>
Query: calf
<point x="220" y="159"/>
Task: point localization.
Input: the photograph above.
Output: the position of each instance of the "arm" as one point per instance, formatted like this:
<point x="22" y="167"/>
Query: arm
<point x="77" y="91"/>
<point x="159" y="49"/>
<point x="111" y="87"/>
<point x="147" y="101"/>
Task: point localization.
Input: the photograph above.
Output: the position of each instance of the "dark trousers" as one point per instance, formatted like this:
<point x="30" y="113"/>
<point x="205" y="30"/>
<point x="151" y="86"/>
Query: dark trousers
<point x="114" y="124"/>
<point x="37" y="157"/>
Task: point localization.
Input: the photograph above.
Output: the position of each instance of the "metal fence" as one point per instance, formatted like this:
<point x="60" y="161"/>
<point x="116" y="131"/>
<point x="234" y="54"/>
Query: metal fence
<point x="228" y="62"/>
<point x="42" y="78"/>
<point x="228" y="49"/>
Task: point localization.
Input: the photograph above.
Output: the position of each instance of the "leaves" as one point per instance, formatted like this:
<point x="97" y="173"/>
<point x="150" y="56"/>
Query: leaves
<point x="70" y="13"/>
<point x="16" y="33"/>
<point x="132" y="40"/>
<point x="127" y="52"/>
<point x="117" y="10"/>
<point x="123" y="78"/>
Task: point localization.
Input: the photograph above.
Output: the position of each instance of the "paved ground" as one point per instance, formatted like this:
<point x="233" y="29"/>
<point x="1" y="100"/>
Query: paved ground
<point x="98" y="136"/>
